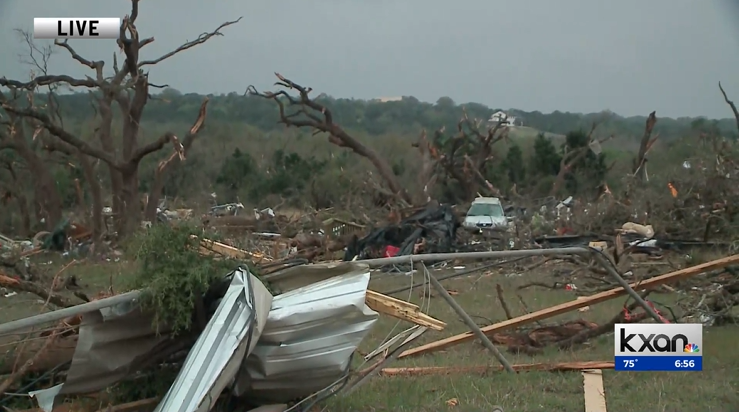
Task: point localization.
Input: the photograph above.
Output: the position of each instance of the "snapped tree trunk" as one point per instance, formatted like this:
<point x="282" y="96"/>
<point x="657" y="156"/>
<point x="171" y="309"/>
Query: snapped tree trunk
<point x="45" y="191"/>
<point x="97" y="196"/>
<point x="131" y="208"/>
<point x="173" y="161"/>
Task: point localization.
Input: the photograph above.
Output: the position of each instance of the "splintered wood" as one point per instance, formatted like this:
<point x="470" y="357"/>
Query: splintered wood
<point x="397" y="308"/>
<point x="209" y="247"/>
<point x="574" y="305"/>
<point x="595" y="395"/>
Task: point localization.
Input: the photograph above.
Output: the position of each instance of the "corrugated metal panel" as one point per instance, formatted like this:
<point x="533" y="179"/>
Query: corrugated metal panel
<point x="215" y="358"/>
<point x="112" y="342"/>
<point x="309" y="338"/>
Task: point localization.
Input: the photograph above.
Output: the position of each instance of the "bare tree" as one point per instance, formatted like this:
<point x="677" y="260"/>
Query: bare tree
<point x="464" y="157"/>
<point x="128" y="89"/>
<point x="11" y="189"/>
<point x="16" y="136"/>
<point x="731" y="105"/>
<point x="303" y="111"/>
<point x="47" y="197"/>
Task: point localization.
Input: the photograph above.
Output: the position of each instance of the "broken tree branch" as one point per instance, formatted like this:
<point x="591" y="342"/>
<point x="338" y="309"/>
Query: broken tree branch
<point x="26" y="286"/>
<point x="309" y="113"/>
<point x="190" y="44"/>
<point x="731" y="104"/>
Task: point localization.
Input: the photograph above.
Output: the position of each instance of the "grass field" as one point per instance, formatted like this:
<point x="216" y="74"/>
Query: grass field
<point x="716" y="389"/>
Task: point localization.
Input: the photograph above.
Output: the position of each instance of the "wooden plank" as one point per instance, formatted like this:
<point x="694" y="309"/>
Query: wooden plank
<point x="574" y="305"/>
<point x="400" y="309"/>
<point x="595" y="395"/>
<point x="208" y="247"/>
<point x="478" y="370"/>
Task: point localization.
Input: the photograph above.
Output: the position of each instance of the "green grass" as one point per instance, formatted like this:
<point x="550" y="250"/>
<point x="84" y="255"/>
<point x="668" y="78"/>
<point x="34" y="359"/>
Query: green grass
<point x="716" y="389"/>
<point x="525" y="132"/>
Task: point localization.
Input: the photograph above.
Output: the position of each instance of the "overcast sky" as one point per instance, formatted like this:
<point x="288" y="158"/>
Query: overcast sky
<point x="628" y="56"/>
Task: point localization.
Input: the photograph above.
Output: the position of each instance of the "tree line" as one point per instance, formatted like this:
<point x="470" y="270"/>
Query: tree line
<point x="120" y="139"/>
<point x="408" y="115"/>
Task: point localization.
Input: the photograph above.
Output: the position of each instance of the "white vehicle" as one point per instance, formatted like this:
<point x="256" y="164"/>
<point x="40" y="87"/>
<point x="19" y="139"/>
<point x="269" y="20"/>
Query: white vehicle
<point x="485" y="213"/>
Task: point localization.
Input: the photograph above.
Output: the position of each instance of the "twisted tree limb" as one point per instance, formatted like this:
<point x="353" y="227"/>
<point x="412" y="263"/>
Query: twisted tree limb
<point x="306" y="112"/>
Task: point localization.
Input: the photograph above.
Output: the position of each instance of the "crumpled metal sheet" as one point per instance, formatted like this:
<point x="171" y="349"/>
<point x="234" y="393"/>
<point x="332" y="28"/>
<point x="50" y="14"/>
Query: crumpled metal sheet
<point x="310" y="335"/>
<point x="112" y="342"/>
<point x="229" y="336"/>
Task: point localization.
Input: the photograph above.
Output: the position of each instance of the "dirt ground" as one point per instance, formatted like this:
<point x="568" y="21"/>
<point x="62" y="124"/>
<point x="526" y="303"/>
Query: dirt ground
<point x="716" y="389"/>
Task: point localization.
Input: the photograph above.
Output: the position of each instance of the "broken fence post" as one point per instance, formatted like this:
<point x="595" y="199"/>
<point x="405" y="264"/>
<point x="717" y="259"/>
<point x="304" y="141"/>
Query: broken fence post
<point x="624" y="284"/>
<point x="470" y="323"/>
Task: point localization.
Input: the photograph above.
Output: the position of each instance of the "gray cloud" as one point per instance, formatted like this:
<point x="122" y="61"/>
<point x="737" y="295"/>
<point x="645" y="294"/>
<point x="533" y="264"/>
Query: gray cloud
<point x="569" y="55"/>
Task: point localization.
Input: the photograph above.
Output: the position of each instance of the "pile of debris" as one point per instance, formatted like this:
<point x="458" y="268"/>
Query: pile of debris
<point x="286" y="337"/>
<point x="277" y="331"/>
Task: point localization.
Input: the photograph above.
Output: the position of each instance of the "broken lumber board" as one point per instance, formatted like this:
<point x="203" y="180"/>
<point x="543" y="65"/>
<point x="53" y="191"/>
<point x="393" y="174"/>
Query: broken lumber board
<point x="207" y="247"/>
<point x="401" y="310"/>
<point x="447" y="370"/>
<point x="595" y="395"/>
<point x="574" y="305"/>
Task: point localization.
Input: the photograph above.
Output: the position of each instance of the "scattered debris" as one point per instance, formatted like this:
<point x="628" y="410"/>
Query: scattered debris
<point x="574" y="305"/>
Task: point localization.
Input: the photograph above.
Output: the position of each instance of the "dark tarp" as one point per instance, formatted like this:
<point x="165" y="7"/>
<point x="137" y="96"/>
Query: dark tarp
<point x="436" y="224"/>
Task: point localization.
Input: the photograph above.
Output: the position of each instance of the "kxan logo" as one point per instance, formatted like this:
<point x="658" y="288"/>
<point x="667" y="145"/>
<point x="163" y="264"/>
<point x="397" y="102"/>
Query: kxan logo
<point x="658" y="347"/>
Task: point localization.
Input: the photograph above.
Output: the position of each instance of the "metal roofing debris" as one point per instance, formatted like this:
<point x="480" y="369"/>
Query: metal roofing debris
<point x="228" y="338"/>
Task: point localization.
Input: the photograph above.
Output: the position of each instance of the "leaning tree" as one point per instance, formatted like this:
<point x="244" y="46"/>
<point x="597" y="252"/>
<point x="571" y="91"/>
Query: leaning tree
<point x="126" y="91"/>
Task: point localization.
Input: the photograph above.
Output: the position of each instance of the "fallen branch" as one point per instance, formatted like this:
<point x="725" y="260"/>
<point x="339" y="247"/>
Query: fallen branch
<point x="604" y="328"/>
<point x="503" y="303"/>
<point x="25" y="286"/>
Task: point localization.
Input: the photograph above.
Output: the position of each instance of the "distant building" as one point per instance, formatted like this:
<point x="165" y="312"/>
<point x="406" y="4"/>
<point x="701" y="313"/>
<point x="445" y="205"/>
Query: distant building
<point x="388" y="99"/>
<point x="505" y="119"/>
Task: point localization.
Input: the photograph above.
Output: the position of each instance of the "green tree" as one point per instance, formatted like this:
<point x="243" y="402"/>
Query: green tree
<point x="513" y="164"/>
<point x="235" y="172"/>
<point x="289" y="174"/>
<point x="545" y="159"/>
